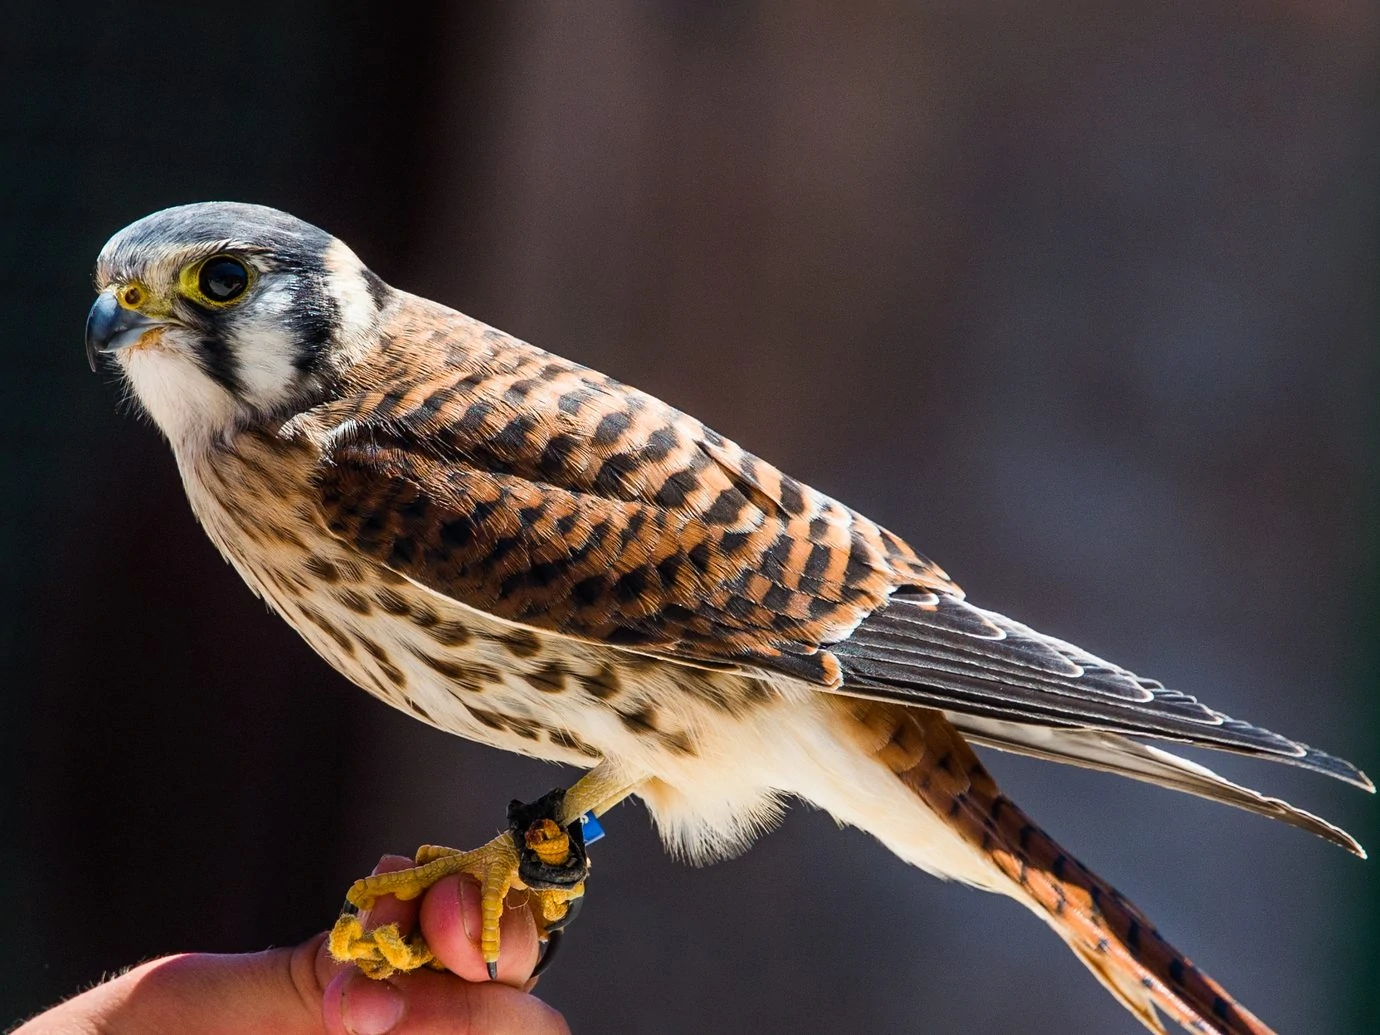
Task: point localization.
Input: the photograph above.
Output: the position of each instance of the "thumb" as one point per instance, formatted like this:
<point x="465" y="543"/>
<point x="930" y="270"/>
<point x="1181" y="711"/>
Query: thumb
<point x="278" y="990"/>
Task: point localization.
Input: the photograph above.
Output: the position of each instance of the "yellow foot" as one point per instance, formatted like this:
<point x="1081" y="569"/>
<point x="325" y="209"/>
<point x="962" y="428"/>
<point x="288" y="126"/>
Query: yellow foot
<point x="497" y="866"/>
<point x="379" y="953"/>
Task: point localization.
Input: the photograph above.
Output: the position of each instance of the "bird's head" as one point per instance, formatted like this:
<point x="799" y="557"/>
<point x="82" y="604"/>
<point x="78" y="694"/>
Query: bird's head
<point x="221" y="314"/>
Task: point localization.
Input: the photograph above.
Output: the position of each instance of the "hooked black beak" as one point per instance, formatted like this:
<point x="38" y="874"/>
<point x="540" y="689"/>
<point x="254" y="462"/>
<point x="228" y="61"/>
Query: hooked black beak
<point x="111" y="327"/>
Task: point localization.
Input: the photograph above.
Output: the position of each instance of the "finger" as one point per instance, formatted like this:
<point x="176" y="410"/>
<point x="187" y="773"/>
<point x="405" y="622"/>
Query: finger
<point x="356" y="1005"/>
<point x="211" y="995"/>
<point x="451" y="923"/>
<point x="431" y="1003"/>
<point x="389" y="909"/>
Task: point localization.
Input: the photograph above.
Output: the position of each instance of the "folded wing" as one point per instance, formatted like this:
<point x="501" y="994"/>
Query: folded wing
<point x="550" y="495"/>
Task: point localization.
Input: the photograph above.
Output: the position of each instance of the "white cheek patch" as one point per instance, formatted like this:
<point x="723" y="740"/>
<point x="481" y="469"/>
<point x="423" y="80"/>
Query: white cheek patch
<point x="264" y="348"/>
<point x="356" y="309"/>
<point x="187" y="406"/>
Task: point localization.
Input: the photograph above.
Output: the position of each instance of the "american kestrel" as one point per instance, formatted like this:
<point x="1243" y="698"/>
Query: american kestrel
<point x="522" y="551"/>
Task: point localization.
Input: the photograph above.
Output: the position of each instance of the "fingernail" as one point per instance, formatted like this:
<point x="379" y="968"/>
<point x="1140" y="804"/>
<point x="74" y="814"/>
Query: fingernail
<point x="371" y="1007"/>
<point x="471" y="914"/>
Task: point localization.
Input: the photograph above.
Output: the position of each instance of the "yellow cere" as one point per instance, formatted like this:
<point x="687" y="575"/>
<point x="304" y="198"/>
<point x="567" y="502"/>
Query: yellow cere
<point x="135" y="295"/>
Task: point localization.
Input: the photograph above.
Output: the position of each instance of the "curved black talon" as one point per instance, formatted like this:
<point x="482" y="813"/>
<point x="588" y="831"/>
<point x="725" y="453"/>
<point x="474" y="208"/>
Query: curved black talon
<point x="542" y="875"/>
<point x="549" y="947"/>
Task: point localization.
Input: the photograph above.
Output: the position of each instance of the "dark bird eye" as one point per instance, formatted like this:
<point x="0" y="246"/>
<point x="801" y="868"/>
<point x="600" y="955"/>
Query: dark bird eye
<point x="222" y="278"/>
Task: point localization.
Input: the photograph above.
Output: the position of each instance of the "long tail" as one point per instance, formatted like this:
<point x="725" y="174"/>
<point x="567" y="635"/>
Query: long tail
<point x="1109" y="934"/>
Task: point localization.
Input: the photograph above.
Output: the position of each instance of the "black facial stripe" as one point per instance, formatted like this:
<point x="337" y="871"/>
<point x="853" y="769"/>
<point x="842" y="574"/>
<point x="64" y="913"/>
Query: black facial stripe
<point x="378" y="290"/>
<point x="313" y="320"/>
<point x="218" y="362"/>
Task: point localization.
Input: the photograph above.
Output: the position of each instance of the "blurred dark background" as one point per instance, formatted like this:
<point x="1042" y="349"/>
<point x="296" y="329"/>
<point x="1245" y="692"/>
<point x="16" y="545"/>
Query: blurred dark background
<point x="1080" y="297"/>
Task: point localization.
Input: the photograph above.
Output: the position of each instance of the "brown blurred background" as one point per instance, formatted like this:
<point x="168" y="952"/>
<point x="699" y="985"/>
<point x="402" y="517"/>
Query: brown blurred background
<point x="1080" y="297"/>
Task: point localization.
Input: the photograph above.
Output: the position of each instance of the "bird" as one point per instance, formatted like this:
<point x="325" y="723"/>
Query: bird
<point x="522" y="551"/>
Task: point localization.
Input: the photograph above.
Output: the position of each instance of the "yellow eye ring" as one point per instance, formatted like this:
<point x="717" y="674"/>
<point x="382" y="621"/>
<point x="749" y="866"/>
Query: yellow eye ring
<point x="132" y="296"/>
<point x="217" y="282"/>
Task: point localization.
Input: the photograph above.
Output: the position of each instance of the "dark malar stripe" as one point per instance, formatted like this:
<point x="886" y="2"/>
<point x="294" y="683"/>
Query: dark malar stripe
<point x="217" y="361"/>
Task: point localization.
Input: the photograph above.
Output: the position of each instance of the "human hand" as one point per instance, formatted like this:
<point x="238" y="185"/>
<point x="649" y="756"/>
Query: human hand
<point x="302" y="991"/>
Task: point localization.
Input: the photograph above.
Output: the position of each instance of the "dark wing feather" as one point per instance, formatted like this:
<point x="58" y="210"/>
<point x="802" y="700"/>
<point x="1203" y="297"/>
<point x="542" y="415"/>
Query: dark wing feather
<point x="545" y="493"/>
<point x="906" y="652"/>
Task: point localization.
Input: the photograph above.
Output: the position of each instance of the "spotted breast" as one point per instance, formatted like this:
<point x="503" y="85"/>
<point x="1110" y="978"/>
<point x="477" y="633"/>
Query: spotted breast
<point x="454" y="666"/>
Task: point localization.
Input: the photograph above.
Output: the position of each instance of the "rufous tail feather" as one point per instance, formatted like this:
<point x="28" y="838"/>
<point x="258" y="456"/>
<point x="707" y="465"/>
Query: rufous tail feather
<point x="1109" y="934"/>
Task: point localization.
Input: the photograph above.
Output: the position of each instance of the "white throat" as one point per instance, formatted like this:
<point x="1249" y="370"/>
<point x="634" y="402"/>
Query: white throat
<point x="189" y="408"/>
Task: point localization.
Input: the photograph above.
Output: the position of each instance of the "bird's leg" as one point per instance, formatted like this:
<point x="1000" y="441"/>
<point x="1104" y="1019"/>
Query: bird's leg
<point x="542" y="852"/>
